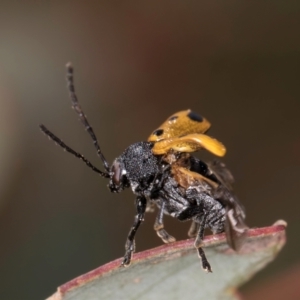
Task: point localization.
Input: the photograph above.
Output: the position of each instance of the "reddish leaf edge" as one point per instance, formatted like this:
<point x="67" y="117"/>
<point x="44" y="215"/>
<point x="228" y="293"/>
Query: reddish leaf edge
<point x="211" y="240"/>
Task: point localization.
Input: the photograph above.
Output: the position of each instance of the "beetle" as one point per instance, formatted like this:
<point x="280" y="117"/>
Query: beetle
<point x="162" y="172"/>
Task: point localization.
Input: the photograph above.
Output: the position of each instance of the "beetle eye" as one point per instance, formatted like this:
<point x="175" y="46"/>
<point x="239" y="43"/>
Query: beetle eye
<point x="116" y="169"/>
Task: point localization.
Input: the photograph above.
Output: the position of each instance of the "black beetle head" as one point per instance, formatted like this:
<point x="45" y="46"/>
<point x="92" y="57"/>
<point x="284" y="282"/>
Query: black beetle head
<point x="136" y="167"/>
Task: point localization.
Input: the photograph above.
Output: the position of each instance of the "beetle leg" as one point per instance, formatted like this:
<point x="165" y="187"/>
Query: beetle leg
<point x="198" y="243"/>
<point x="141" y="204"/>
<point x="205" y="264"/>
<point x="193" y="229"/>
<point x="159" y="226"/>
<point x="200" y="234"/>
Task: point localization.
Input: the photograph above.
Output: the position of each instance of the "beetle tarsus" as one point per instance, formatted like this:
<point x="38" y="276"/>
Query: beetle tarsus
<point x="205" y="263"/>
<point x="127" y="259"/>
<point x="166" y="238"/>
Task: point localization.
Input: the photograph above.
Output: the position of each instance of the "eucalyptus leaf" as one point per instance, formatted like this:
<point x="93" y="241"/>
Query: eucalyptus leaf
<point x="173" y="271"/>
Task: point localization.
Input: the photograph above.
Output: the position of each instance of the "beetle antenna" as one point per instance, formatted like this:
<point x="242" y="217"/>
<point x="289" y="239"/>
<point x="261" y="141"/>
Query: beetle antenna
<point x="82" y="117"/>
<point x="70" y="150"/>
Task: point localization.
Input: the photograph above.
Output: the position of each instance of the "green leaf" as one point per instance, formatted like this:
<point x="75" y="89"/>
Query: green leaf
<point x="173" y="271"/>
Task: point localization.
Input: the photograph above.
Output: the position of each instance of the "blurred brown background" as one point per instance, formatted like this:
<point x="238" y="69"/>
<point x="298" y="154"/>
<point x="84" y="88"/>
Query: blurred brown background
<point x="235" y="62"/>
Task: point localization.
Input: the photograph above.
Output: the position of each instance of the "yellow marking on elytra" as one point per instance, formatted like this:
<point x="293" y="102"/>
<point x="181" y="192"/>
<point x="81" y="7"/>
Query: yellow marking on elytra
<point x="179" y="124"/>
